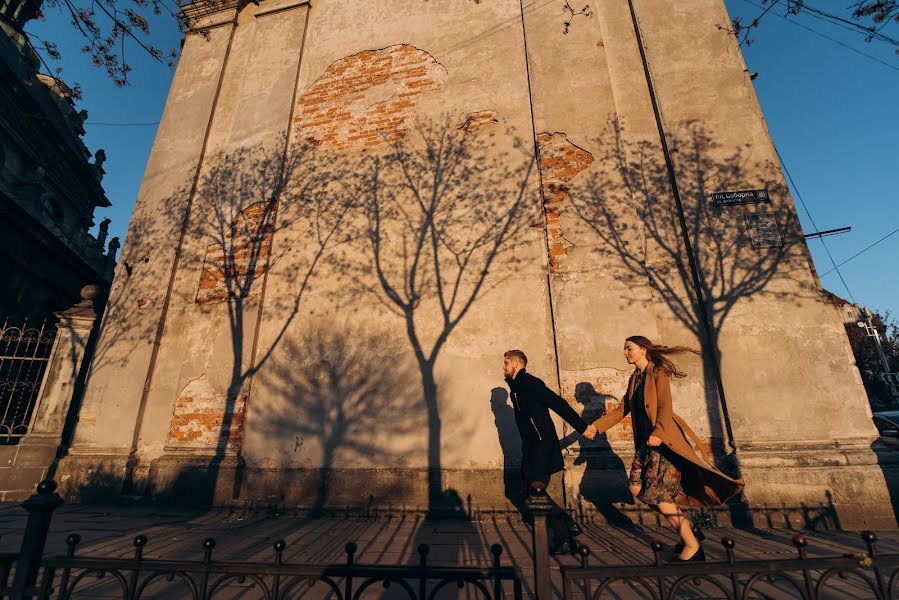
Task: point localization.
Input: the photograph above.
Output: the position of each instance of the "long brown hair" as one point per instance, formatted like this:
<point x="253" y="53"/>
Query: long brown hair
<point x="658" y="354"/>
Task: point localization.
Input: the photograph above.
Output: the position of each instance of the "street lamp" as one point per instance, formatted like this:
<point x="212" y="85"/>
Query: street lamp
<point x="890" y="379"/>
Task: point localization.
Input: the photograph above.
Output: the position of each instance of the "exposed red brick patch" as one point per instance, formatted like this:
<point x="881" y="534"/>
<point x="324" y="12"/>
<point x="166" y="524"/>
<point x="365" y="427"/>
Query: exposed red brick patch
<point x="199" y="415"/>
<point x="367" y="99"/>
<point x="479" y="119"/>
<point x="233" y="268"/>
<point x="560" y="162"/>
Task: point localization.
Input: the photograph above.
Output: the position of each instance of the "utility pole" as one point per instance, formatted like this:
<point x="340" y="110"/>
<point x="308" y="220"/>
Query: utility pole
<point x="890" y="379"/>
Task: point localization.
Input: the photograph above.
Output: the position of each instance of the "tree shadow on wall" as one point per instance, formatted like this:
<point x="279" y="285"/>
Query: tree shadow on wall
<point x="244" y="201"/>
<point x="446" y="208"/>
<point x="345" y="397"/>
<point x="430" y="224"/>
<point x="629" y="204"/>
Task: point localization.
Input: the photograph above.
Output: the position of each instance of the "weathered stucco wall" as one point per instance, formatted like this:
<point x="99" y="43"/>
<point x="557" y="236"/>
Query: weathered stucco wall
<point x="278" y="333"/>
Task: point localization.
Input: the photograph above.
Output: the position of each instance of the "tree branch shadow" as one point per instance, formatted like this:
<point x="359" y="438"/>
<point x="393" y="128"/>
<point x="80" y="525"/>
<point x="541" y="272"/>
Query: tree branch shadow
<point x="627" y="203"/>
<point x="445" y="210"/>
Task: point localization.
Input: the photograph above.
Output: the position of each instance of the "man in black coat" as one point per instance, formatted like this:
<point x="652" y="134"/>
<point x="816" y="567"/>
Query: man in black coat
<point x="541" y="454"/>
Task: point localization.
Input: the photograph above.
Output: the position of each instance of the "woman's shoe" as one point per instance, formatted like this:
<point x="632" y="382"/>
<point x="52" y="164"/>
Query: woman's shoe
<point x="700" y="537"/>
<point x="698" y="556"/>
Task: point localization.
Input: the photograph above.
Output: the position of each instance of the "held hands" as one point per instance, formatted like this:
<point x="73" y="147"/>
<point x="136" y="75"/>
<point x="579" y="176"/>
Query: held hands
<point x="590" y="432"/>
<point x="653" y="441"/>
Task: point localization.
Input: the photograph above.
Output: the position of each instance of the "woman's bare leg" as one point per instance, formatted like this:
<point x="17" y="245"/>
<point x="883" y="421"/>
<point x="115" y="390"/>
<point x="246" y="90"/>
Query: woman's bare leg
<point x="682" y="525"/>
<point x="676" y="518"/>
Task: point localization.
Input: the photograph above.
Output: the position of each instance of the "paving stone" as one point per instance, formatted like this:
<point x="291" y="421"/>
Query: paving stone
<point x="109" y="532"/>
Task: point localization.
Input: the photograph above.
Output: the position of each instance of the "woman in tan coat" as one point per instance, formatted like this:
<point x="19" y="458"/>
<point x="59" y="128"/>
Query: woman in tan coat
<point x="666" y="471"/>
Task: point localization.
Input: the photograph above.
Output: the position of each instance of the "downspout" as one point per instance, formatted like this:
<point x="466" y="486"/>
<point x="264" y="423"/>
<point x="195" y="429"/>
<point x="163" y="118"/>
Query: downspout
<point x="705" y="318"/>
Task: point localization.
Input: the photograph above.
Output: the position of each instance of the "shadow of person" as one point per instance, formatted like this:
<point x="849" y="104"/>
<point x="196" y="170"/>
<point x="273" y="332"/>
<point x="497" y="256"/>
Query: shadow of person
<point x="888" y="461"/>
<point x="510" y="443"/>
<point x="604" y="481"/>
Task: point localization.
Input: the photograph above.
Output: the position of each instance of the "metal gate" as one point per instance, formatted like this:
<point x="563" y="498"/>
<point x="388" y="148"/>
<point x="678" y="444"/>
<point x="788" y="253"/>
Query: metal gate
<point x="24" y="354"/>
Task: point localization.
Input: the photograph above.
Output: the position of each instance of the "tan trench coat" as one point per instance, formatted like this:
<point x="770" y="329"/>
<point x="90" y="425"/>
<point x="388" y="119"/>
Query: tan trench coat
<point x="703" y="484"/>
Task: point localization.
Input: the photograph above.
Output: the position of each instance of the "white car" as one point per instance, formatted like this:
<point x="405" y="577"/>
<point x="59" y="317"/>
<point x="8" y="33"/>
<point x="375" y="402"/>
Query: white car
<point x="887" y="424"/>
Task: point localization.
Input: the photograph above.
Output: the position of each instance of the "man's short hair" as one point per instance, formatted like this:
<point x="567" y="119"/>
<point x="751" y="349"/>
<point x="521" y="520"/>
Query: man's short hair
<point x="518" y="354"/>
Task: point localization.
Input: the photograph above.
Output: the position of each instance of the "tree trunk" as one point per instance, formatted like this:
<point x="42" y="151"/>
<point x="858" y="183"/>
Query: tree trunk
<point x="435" y="483"/>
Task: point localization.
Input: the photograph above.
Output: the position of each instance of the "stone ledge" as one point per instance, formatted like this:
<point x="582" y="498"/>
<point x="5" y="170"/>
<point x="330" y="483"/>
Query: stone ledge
<point x="206" y="14"/>
<point x="271" y="7"/>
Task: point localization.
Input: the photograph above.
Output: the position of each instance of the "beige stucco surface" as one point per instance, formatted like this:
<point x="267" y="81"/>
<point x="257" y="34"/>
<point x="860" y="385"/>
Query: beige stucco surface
<point x="239" y="105"/>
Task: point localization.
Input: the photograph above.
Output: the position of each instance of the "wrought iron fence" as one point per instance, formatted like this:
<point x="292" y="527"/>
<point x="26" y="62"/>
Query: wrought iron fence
<point x="24" y="354"/>
<point x="858" y="575"/>
<point x="70" y="576"/>
<point x="136" y="578"/>
<point x="861" y="575"/>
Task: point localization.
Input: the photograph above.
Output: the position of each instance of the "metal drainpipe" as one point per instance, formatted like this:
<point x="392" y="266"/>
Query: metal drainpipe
<point x="705" y="318"/>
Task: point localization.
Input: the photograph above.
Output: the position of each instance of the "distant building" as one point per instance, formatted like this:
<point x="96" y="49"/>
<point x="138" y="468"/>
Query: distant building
<point x="851" y="313"/>
<point x="48" y="186"/>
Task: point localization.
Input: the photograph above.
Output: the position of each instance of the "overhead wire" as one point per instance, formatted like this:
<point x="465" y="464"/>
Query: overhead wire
<point x="755" y="22"/>
<point x="860" y="252"/>
<point x="812" y="221"/>
<point x="827" y="37"/>
<point x="869" y="32"/>
<point x="855" y="27"/>
<point x="121" y="124"/>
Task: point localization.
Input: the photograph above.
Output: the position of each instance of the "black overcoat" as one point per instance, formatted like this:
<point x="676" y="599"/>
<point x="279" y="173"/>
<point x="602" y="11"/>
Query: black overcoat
<point x="541" y="454"/>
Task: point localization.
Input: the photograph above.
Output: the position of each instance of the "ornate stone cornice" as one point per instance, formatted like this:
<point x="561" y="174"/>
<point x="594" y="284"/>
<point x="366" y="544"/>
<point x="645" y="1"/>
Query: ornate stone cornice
<point x="204" y="14"/>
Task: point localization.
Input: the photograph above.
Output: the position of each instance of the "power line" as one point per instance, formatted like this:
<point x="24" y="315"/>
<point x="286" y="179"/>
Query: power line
<point x="756" y="21"/>
<point x="827" y="37"/>
<point x="857" y="254"/>
<point x="869" y="32"/>
<point x="809" y="215"/>
<point x="121" y="124"/>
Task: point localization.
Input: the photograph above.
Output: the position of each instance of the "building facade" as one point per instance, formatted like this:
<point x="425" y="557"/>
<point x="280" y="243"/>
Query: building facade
<point x="48" y="185"/>
<point x="351" y="211"/>
<point x="54" y="273"/>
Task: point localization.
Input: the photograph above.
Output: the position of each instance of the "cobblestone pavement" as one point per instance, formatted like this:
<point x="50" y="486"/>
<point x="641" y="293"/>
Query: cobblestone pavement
<point x="247" y="536"/>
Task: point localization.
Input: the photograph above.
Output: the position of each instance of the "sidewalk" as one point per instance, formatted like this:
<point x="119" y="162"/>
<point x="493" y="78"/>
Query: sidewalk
<point x="247" y="536"/>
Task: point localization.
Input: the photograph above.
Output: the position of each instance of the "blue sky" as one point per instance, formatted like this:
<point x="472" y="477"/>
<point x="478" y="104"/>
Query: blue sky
<point x="831" y="112"/>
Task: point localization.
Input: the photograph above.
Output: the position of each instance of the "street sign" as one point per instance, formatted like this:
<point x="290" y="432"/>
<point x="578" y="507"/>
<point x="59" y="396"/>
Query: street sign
<point x="740" y="197"/>
<point x="763" y="230"/>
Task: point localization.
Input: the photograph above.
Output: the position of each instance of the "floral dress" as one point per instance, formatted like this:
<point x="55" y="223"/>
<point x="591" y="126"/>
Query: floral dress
<point x="654" y="468"/>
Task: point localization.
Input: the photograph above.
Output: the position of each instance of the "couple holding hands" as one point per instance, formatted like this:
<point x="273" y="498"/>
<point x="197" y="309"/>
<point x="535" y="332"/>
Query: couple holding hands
<point x="666" y="472"/>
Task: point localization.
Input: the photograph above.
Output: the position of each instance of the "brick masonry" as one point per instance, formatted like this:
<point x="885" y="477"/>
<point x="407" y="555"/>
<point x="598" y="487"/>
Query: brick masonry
<point x="560" y="162"/>
<point x="233" y="268"/>
<point x="369" y="98"/>
<point x="199" y="414"/>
